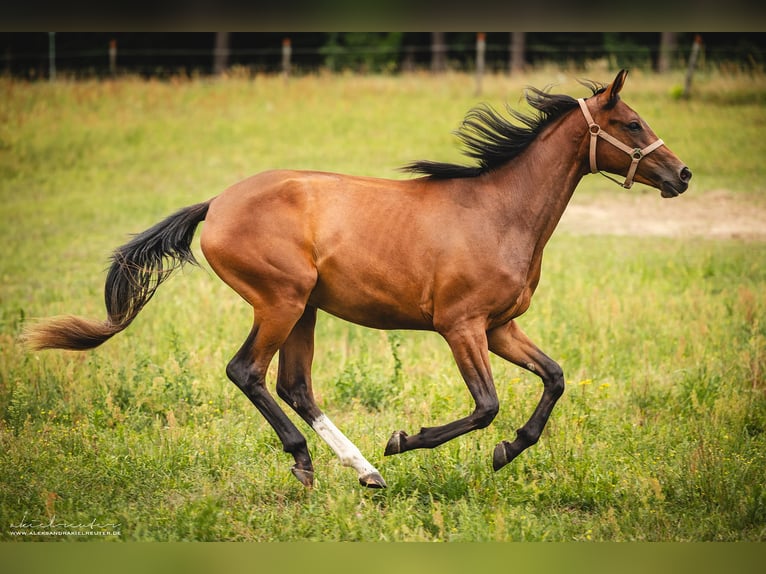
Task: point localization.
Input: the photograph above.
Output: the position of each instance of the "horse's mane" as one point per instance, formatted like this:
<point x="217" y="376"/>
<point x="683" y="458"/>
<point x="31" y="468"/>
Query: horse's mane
<point x="493" y="140"/>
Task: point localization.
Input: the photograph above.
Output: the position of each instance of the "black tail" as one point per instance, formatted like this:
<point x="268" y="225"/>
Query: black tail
<point x="138" y="268"/>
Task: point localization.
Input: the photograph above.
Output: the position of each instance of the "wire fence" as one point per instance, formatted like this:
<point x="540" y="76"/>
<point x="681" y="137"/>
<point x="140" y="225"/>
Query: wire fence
<point x="99" y="55"/>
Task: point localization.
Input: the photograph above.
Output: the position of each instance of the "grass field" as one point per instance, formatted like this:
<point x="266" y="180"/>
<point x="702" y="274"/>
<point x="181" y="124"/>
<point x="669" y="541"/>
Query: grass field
<point x="661" y="434"/>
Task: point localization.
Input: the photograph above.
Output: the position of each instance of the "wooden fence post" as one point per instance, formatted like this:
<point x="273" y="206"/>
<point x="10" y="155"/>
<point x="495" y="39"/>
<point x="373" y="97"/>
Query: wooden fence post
<point x="668" y="46"/>
<point x="112" y="56"/>
<point x="692" y="63"/>
<point x="438" y="52"/>
<point x="481" y="48"/>
<point x="221" y="53"/>
<point x="287" y="52"/>
<point x="52" y="56"/>
<point x="516" y="59"/>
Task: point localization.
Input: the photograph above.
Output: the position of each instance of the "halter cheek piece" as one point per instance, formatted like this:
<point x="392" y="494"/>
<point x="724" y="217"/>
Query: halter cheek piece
<point x="635" y="153"/>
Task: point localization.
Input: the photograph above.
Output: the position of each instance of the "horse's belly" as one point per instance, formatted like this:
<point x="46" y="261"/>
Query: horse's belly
<point x="380" y="306"/>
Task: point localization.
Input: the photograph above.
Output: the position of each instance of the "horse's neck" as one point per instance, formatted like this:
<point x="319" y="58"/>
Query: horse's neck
<point x="536" y="187"/>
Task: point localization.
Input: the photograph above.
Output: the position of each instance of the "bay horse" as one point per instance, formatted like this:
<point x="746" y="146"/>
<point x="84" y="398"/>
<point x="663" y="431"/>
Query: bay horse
<point x="456" y="250"/>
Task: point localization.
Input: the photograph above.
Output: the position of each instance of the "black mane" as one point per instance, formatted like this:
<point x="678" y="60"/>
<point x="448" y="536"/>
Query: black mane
<point x="493" y="140"/>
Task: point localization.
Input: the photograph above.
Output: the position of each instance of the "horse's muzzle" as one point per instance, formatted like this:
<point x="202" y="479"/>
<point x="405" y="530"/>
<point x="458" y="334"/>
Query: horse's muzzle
<point x="676" y="188"/>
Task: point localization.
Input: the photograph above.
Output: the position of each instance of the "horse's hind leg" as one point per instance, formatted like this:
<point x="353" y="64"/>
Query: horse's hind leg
<point x="294" y="387"/>
<point x="247" y="370"/>
<point x="510" y="343"/>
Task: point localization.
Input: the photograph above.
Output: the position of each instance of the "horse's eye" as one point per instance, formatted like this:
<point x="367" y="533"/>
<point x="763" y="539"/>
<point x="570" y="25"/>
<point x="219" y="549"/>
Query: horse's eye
<point x="634" y="126"/>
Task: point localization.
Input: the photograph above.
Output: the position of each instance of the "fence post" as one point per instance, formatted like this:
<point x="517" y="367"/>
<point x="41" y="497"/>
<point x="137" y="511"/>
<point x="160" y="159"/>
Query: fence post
<point x="692" y="63"/>
<point x="112" y="56"/>
<point x="481" y="47"/>
<point x="438" y="52"/>
<point x="516" y="59"/>
<point x="287" y="52"/>
<point x="52" y="56"/>
<point x="668" y="46"/>
<point x="221" y="53"/>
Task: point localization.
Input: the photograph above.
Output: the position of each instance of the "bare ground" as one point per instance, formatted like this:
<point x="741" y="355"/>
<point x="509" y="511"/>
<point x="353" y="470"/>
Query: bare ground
<point x="715" y="214"/>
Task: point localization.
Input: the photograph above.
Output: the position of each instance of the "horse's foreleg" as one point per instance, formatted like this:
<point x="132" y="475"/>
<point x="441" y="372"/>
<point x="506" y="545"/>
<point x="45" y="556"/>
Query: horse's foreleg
<point x="294" y="387"/>
<point x="510" y="343"/>
<point x="247" y="370"/>
<point x="469" y="347"/>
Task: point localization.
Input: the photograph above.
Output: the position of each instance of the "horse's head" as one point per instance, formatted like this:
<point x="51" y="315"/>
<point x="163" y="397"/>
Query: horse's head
<point x="630" y="147"/>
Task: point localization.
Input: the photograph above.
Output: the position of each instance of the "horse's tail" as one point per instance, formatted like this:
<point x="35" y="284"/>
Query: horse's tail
<point x="138" y="268"/>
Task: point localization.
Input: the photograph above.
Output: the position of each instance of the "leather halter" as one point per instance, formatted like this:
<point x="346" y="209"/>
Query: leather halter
<point x="635" y="153"/>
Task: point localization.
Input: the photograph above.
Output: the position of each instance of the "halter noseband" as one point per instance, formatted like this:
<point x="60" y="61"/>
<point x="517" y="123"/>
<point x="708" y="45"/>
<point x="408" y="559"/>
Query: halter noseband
<point x="635" y="153"/>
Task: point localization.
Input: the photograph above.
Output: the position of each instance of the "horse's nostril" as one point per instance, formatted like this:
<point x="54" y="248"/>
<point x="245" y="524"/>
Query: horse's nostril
<point x="686" y="174"/>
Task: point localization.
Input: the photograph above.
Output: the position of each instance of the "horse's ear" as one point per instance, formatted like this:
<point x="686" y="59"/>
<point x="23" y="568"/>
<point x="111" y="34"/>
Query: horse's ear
<point x="614" y="88"/>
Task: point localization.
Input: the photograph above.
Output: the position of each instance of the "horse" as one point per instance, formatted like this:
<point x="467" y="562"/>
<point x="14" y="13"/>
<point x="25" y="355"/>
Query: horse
<point x="455" y="249"/>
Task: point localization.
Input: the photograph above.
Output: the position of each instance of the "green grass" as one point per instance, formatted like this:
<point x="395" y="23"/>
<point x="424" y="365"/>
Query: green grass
<point x="660" y="435"/>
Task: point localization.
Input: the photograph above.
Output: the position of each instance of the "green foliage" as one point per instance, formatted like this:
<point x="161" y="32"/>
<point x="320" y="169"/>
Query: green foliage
<point x="366" y="381"/>
<point x="659" y="435"/>
<point x="625" y="52"/>
<point x="354" y="383"/>
<point x="362" y="51"/>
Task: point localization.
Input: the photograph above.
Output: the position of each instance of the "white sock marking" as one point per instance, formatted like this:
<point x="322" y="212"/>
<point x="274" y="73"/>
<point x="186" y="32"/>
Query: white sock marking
<point x="345" y="450"/>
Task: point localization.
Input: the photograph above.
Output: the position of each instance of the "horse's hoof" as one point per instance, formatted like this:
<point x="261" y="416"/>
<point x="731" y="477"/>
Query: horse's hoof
<point x="396" y="443"/>
<point x="372" y="480"/>
<point x="502" y="455"/>
<point x="305" y="476"/>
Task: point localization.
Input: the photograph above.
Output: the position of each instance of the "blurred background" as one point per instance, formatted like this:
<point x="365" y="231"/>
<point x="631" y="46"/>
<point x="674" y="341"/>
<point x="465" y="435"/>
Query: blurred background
<point x="37" y="55"/>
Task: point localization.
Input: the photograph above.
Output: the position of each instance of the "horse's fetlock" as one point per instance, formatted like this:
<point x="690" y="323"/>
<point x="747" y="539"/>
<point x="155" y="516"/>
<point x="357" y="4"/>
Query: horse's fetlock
<point x="527" y="437"/>
<point x="298" y="447"/>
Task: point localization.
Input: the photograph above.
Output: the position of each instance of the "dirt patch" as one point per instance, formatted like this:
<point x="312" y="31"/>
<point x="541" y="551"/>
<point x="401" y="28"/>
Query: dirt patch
<point x="715" y="214"/>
